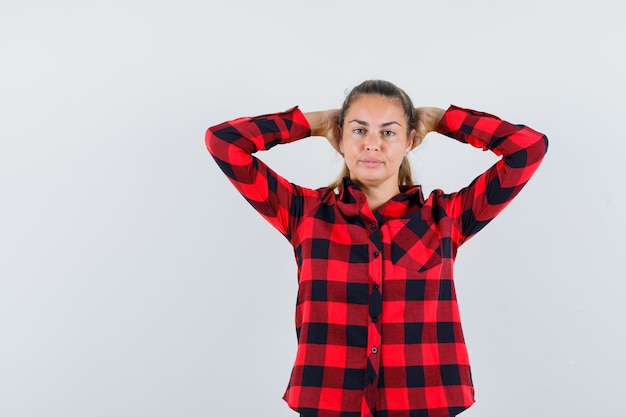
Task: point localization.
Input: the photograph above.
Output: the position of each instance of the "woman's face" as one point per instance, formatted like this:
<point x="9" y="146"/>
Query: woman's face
<point x="374" y="141"/>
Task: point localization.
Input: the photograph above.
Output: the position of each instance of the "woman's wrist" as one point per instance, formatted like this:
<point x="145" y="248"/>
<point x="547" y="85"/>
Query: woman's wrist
<point x="430" y="117"/>
<point x="318" y="122"/>
<point x="324" y="123"/>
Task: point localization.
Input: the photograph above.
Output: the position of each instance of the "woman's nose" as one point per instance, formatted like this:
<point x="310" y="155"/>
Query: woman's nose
<point x="372" y="142"/>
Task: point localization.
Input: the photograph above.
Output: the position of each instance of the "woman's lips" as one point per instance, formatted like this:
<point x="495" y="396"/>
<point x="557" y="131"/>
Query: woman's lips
<point x="372" y="163"/>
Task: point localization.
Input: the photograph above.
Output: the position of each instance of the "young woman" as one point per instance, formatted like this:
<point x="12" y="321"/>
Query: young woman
<point x="377" y="319"/>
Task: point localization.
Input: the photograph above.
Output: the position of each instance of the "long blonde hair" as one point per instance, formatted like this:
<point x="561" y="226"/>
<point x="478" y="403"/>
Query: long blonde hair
<point x="389" y="90"/>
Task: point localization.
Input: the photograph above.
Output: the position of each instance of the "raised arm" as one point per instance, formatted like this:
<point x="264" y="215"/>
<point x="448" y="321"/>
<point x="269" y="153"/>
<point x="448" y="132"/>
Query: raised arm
<point x="522" y="150"/>
<point x="232" y="145"/>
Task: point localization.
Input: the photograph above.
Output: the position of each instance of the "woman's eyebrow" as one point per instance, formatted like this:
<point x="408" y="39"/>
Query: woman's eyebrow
<point x="390" y="123"/>
<point x="364" y="123"/>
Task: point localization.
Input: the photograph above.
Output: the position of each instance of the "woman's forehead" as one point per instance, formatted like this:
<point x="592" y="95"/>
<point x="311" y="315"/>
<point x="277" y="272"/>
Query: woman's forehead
<point x="375" y="109"/>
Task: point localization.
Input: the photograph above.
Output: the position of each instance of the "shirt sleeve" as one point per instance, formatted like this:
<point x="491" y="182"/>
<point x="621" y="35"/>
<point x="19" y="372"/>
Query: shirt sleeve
<point x="232" y="145"/>
<point x="522" y="150"/>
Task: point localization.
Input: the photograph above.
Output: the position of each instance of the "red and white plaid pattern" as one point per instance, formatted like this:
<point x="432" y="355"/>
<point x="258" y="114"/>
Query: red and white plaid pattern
<point x="377" y="317"/>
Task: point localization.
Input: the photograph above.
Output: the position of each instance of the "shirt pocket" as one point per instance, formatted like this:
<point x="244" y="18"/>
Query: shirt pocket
<point x="415" y="253"/>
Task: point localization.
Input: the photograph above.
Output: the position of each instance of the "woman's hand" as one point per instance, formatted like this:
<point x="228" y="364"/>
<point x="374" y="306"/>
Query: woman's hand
<point x="324" y="123"/>
<point x="427" y="121"/>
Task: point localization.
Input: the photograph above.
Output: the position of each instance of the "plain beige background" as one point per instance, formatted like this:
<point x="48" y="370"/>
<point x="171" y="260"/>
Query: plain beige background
<point x="134" y="280"/>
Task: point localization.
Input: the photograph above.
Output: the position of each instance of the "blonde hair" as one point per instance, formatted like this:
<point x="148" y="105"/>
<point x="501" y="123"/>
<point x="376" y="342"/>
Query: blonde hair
<point x="389" y="90"/>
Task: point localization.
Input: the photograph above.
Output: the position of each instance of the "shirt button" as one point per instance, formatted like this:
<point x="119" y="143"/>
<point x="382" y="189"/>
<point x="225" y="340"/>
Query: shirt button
<point x="375" y="320"/>
<point x="376" y="254"/>
<point x="374" y="350"/>
<point x="373" y="227"/>
<point x="375" y="286"/>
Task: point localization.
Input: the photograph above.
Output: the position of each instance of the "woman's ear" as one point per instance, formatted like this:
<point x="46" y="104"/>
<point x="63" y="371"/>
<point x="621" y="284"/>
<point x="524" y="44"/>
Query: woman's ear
<point x="410" y="142"/>
<point x="414" y="139"/>
<point x="339" y="141"/>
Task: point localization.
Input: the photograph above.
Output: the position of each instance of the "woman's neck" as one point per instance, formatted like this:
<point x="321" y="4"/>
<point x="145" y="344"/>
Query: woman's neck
<point x="378" y="196"/>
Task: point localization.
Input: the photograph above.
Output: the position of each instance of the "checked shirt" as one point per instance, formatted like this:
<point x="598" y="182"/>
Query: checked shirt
<point x="377" y="318"/>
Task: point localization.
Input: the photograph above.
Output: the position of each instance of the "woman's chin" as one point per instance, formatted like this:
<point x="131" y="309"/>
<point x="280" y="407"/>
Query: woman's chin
<point x="369" y="180"/>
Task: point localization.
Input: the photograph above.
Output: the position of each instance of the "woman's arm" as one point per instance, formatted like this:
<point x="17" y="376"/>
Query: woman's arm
<point x="522" y="150"/>
<point x="232" y="145"/>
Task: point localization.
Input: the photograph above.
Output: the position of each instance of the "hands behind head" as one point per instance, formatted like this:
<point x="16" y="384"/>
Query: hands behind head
<point x="324" y="123"/>
<point x="427" y="121"/>
<point x="331" y="128"/>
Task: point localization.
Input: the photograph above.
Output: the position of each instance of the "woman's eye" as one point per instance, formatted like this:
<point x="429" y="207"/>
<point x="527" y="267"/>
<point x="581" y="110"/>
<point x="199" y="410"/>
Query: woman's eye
<point x="358" y="131"/>
<point x="389" y="133"/>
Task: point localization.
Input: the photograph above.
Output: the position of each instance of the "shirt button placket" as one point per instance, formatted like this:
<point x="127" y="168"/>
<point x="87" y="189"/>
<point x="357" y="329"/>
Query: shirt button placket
<point x="375" y="307"/>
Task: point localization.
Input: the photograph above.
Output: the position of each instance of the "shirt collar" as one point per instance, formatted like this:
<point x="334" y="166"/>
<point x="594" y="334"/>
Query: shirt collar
<point x="351" y="195"/>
